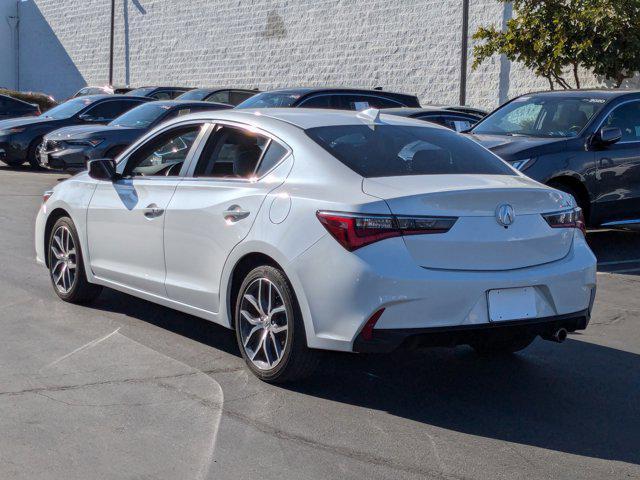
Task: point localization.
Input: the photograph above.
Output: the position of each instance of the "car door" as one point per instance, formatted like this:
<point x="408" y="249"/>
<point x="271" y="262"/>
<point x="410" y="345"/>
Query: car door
<point x="125" y="218"/>
<point x="215" y="206"/>
<point x="618" y="168"/>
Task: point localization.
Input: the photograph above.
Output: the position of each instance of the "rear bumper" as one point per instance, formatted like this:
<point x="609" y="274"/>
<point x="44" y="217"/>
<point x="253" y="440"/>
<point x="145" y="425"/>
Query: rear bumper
<point x="385" y="341"/>
<point x="340" y="291"/>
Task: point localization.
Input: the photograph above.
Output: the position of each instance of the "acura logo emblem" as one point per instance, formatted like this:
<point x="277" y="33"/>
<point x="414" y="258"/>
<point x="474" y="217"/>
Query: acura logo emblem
<point x="505" y="215"/>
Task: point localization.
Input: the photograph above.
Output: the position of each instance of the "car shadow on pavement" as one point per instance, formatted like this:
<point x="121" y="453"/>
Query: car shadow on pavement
<point x="578" y="398"/>
<point x="27" y="168"/>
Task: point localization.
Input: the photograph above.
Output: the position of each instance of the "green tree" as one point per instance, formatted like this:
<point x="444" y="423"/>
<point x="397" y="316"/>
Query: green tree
<point x="556" y="37"/>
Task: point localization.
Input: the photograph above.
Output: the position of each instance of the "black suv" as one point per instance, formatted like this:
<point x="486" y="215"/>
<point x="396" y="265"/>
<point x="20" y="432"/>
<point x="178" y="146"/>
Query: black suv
<point x="336" y="98"/>
<point x="584" y="142"/>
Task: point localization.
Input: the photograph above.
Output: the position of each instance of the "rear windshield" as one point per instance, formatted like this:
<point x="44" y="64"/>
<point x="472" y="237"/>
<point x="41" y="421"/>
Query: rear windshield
<point x="395" y="150"/>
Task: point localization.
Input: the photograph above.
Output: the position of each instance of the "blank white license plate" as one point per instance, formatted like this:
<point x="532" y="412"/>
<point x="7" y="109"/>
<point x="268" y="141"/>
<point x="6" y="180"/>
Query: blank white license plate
<point x="512" y="304"/>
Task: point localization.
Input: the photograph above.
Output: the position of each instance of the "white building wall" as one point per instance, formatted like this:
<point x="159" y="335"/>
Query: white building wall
<point x="410" y="46"/>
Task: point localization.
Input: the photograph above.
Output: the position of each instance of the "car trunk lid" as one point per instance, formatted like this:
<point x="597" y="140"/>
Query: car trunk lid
<point x="477" y="241"/>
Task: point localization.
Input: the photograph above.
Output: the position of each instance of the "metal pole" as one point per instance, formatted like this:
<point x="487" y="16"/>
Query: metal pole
<point x="464" y="45"/>
<point x="113" y="19"/>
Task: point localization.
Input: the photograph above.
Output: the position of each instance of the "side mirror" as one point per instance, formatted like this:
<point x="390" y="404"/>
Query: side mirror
<point x="103" y="169"/>
<point x="607" y="136"/>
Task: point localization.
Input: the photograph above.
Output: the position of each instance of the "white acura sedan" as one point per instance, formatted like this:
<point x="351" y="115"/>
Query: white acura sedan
<point x="308" y="230"/>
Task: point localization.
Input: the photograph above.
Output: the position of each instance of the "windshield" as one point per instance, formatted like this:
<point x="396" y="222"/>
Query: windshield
<point x="542" y="116"/>
<point x="194" y="95"/>
<point x="270" y="100"/>
<point x="141" y="92"/>
<point x="68" y="108"/>
<point x="141" y="116"/>
<point x="394" y="150"/>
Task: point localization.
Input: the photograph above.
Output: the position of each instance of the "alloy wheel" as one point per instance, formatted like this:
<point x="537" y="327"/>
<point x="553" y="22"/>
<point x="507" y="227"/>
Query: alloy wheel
<point x="63" y="259"/>
<point x="263" y="323"/>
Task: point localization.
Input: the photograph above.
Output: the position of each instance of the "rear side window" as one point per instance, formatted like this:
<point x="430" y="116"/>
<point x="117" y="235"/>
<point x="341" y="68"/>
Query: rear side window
<point x="318" y="101"/>
<point x="275" y="152"/>
<point x="231" y="153"/>
<point x="219" y="97"/>
<point x="394" y="150"/>
<point x="237" y="97"/>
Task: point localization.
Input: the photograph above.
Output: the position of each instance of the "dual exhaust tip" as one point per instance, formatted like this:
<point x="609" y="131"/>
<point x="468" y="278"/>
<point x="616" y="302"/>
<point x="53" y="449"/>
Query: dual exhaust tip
<point x="558" y="336"/>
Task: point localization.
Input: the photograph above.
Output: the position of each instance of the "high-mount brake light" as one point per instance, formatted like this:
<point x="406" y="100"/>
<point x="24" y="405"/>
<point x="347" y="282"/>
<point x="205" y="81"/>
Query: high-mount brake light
<point x="355" y="230"/>
<point x="571" y="218"/>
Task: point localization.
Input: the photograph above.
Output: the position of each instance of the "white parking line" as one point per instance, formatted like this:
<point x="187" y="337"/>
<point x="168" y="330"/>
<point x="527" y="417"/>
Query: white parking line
<point x="620" y="262"/>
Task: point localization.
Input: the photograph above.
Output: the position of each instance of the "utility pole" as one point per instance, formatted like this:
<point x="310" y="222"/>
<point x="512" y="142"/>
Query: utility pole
<point x="113" y="19"/>
<point x="464" y="45"/>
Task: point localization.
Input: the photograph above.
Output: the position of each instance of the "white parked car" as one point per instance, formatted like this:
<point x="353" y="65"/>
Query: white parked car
<point x="308" y="230"/>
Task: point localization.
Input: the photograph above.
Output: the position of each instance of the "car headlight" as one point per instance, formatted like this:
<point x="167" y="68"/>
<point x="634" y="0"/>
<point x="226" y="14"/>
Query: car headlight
<point x="92" y="142"/>
<point x="11" y="131"/>
<point x="523" y="164"/>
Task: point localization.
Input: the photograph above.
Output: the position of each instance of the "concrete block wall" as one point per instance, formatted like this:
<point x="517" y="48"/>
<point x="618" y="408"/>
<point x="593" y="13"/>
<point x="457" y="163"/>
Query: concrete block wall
<point x="403" y="45"/>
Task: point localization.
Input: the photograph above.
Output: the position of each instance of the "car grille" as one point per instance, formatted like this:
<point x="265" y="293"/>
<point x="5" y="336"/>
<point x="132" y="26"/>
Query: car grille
<point x="53" y="145"/>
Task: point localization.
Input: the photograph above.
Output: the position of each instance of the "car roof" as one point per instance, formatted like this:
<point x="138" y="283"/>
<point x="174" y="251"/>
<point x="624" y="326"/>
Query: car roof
<point x="594" y="92"/>
<point x="303" y="91"/>
<point x="108" y="96"/>
<point x="306" y="118"/>
<point x="217" y="89"/>
<point x="178" y="103"/>
<point x="410" y="111"/>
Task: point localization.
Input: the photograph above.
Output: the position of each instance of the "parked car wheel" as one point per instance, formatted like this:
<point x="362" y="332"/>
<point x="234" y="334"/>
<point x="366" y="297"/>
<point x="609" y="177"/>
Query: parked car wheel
<point x="269" y="328"/>
<point x="33" y="154"/>
<point x="502" y="346"/>
<point x="66" y="266"/>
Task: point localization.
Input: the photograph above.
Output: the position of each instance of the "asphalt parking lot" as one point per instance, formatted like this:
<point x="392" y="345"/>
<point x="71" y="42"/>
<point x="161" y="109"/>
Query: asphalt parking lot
<point x="125" y="389"/>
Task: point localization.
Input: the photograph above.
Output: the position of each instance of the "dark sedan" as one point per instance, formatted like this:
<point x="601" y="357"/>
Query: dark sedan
<point x="21" y="139"/>
<point x="231" y="96"/>
<point x="446" y="116"/>
<point x="12" y="108"/>
<point x="336" y="98"/>
<point x="72" y="147"/>
<point x="159" y="93"/>
<point x="585" y="142"/>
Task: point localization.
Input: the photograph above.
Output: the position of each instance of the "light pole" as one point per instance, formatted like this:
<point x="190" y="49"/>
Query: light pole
<point x="113" y="18"/>
<point x="464" y="45"/>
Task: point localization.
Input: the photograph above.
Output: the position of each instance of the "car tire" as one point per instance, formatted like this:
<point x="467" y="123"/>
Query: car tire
<point x="33" y="157"/>
<point x="270" y="330"/>
<point x="66" y="267"/>
<point x="503" y="346"/>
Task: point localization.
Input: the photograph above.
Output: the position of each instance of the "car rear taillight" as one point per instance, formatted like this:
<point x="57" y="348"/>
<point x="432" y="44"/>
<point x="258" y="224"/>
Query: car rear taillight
<point x="355" y="230"/>
<point x="571" y="218"/>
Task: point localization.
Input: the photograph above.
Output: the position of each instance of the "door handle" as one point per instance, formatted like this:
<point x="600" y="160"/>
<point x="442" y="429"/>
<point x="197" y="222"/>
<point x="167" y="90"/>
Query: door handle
<point x="152" y="211"/>
<point x="235" y="213"/>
